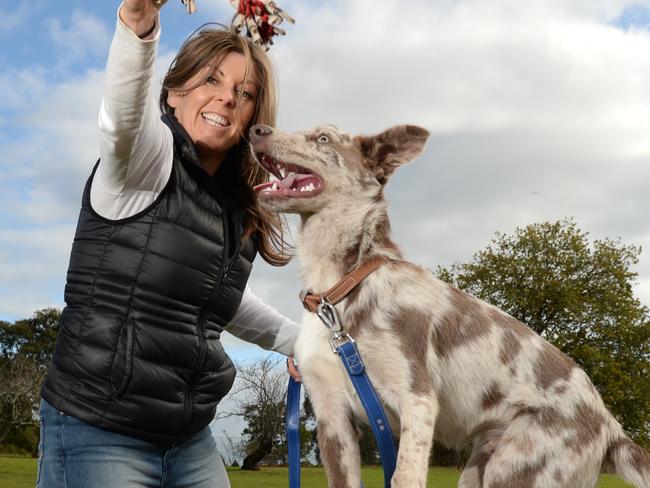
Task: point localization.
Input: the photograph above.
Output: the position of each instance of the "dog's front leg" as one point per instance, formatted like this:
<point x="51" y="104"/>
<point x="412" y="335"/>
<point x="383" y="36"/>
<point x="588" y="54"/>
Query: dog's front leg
<point x="338" y="439"/>
<point x="417" y="419"/>
<point x="338" y="442"/>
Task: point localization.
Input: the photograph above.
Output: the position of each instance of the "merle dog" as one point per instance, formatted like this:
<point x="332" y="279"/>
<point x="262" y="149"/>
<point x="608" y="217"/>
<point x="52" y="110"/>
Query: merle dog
<point x="445" y="364"/>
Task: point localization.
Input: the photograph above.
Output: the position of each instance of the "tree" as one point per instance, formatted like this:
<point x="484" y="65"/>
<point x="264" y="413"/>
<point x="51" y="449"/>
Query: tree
<point x="260" y="394"/>
<point x="308" y="419"/>
<point x="448" y="457"/>
<point x="579" y="296"/>
<point x="368" y="451"/>
<point x="234" y="450"/>
<point x="19" y="393"/>
<point x="34" y="338"/>
<point x="26" y="348"/>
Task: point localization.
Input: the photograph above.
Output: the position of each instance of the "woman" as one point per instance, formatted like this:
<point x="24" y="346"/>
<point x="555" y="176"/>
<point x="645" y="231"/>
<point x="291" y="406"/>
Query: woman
<point x="165" y="241"/>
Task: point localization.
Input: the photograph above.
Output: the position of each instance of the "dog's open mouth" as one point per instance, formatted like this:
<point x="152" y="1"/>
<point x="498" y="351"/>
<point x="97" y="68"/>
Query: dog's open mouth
<point x="288" y="180"/>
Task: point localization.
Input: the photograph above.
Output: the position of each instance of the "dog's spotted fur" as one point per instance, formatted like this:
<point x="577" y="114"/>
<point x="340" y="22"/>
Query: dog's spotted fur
<point x="443" y="362"/>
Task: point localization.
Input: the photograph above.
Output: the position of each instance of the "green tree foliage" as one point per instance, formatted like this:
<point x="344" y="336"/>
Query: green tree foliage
<point x="26" y="348"/>
<point x="578" y="295"/>
<point x="35" y="337"/>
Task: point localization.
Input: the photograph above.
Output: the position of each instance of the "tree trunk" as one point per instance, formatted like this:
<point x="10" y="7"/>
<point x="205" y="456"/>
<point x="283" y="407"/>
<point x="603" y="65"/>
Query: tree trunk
<point x="250" y="461"/>
<point x="4" y="431"/>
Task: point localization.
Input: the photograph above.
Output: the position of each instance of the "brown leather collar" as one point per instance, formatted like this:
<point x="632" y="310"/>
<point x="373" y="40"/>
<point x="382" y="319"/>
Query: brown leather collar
<point x="339" y="291"/>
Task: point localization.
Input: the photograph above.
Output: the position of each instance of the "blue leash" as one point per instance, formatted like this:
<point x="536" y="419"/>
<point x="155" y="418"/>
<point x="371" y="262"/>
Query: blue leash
<point x="292" y="424"/>
<point x="374" y="410"/>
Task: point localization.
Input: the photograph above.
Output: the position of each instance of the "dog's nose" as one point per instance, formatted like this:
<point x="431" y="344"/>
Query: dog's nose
<point x="259" y="130"/>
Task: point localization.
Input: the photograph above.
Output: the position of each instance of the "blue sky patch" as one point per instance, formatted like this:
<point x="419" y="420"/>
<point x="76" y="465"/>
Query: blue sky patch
<point x="634" y="17"/>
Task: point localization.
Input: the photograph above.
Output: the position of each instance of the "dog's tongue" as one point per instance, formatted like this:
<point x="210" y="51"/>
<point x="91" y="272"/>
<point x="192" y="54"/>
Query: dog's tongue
<point x="289" y="181"/>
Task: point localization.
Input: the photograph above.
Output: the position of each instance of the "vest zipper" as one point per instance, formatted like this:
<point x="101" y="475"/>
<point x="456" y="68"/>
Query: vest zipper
<point x="216" y="292"/>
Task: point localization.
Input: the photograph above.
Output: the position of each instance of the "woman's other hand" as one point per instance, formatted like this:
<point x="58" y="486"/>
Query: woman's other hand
<point x="140" y="15"/>
<point x="293" y="370"/>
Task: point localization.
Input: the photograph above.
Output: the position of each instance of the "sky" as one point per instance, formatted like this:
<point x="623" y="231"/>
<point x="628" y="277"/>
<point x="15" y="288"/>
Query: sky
<point x="538" y="110"/>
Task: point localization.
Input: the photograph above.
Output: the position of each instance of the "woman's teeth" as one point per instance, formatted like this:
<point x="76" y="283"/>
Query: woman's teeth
<point x="215" y="120"/>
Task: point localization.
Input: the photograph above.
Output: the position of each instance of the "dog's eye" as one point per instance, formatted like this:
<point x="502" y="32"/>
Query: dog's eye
<point x="323" y="139"/>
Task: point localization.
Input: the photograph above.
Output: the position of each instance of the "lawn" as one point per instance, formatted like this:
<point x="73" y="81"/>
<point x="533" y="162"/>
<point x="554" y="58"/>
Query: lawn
<point x="372" y="478"/>
<point x="21" y="473"/>
<point x="17" y="472"/>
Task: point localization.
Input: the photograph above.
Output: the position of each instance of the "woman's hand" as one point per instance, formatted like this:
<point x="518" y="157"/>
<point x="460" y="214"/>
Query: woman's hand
<point x="140" y="15"/>
<point x="293" y="370"/>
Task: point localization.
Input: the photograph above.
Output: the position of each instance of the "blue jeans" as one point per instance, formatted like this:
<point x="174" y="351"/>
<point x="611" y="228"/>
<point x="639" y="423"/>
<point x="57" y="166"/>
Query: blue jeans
<point x="74" y="454"/>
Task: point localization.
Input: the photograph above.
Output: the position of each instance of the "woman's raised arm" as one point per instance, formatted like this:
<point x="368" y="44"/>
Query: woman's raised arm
<point x="136" y="148"/>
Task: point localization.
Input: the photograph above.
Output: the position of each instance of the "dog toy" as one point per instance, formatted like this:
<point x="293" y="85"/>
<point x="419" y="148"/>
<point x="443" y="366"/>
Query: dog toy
<point x="260" y="17"/>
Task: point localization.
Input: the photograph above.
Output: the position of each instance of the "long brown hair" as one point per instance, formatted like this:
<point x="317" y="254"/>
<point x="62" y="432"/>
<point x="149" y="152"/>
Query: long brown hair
<point x="206" y="48"/>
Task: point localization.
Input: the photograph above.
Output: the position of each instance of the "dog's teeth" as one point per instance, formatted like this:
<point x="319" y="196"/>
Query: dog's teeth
<point x="283" y="172"/>
<point x="273" y="177"/>
<point x="311" y="187"/>
<point x="274" y="187"/>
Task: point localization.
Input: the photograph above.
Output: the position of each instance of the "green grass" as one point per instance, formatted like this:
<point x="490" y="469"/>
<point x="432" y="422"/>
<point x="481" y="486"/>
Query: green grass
<point x="372" y="478"/>
<point x="21" y="473"/>
<point x="17" y="472"/>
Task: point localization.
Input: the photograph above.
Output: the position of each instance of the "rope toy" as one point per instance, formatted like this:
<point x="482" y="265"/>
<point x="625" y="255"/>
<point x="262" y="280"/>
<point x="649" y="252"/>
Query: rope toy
<point x="260" y="17"/>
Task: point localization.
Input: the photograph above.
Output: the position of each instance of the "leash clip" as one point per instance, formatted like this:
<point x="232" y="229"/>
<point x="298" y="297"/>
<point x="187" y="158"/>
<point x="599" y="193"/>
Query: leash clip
<point x="328" y="315"/>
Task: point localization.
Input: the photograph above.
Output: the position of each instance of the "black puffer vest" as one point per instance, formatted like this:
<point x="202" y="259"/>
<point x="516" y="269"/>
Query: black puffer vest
<point x="147" y="297"/>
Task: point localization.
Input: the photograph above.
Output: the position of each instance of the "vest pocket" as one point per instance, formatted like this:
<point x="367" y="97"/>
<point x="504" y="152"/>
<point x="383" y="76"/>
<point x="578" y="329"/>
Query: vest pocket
<point x="122" y="368"/>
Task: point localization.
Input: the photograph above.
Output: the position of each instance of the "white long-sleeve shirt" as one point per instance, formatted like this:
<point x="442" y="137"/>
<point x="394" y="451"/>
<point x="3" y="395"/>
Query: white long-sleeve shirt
<point x="136" y="151"/>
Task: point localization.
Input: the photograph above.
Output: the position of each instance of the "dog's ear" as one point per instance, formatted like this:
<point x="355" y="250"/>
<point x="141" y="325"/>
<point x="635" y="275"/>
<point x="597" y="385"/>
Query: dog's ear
<point x="389" y="149"/>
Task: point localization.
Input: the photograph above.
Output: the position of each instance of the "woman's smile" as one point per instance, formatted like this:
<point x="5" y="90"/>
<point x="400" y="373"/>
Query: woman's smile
<point x="215" y="120"/>
<point x="217" y="108"/>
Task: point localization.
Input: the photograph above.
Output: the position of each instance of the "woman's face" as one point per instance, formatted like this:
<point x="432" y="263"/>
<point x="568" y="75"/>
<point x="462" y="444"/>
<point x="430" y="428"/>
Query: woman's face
<point x="216" y="113"/>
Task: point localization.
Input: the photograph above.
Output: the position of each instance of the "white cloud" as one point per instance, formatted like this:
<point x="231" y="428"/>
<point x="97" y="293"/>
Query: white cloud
<point x="82" y="36"/>
<point x="32" y="263"/>
<point x="538" y="111"/>
<point x="45" y="165"/>
<point x="19" y="87"/>
<point x="10" y="20"/>
<point x="57" y="146"/>
<point x="471" y="66"/>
